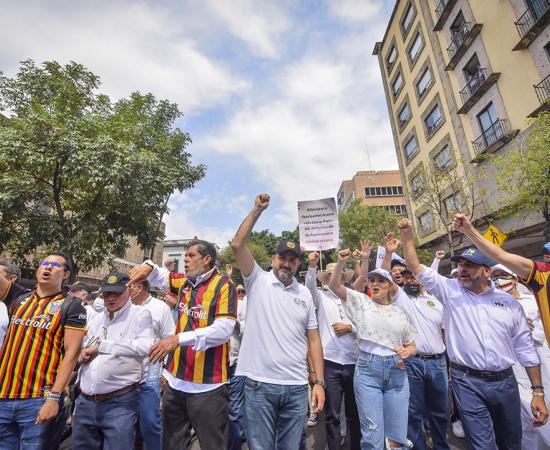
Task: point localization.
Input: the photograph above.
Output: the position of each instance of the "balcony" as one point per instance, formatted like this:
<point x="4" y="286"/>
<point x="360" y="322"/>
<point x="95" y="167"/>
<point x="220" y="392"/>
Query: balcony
<point x="543" y="94"/>
<point x="460" y="42"/>
<point x="492" y="139"/>
<point x="475" y="88"/>
<point x="442" y="11"/>
<point x="532" y="22"/>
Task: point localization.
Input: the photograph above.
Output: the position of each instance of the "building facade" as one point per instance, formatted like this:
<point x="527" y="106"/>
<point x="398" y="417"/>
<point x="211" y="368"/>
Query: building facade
<point x="381" y="188"/>
<point x="461" y="79"/>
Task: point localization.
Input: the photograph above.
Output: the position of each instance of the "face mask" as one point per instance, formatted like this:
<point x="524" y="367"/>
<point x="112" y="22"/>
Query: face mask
<point x="412" y="289"/>
<point x="505" y="285"/>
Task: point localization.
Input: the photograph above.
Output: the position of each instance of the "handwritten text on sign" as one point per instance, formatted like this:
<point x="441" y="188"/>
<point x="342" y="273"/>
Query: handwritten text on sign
<point x="318" y="224"/>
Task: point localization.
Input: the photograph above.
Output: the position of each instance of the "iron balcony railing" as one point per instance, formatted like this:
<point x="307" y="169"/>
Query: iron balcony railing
<point x="473" y="84"/>
<point x="491" y="135"/>
<point x="440" y="8"/>
<point x="543" y="90"/>
<point x="458" y="38"/>
<point x="531" y="15"/>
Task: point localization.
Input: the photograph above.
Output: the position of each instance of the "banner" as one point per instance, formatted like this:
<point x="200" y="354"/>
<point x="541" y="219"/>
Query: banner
<point x="380" y="257"/>
<point x="318" y="224"/>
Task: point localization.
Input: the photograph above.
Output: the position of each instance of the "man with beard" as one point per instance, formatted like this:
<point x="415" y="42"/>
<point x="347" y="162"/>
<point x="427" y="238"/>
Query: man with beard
<point x="197" y="367"/>
<point x="281" y="329"/>
<point x="486" y="332"/>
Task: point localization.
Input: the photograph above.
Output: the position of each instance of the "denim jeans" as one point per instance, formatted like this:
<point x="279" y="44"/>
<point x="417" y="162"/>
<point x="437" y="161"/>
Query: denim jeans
<point x="490" y="411"/>
<point x="17" y="424"/>
<point x="274" y="414"/>
<point x="237" y="425"/>
<point x="107" y="425"/>
<point x="150" y="423"/>
<point x="382" y="395"/>
<point x="428" y="384"/>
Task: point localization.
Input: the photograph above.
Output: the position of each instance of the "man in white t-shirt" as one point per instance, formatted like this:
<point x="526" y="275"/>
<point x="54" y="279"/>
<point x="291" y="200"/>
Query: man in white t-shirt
<point x="149" y="419"/>
<point x="281" y="329"/>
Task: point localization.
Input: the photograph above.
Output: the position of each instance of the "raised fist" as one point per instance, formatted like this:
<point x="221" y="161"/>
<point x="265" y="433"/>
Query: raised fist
<point x="313" y="258"/>
<point x="405" y="229"/>
<point x="461" y="223"/>
<point x="261" y="202"/>
<point x="440" y="254"/>
<point x="344" y="255"/>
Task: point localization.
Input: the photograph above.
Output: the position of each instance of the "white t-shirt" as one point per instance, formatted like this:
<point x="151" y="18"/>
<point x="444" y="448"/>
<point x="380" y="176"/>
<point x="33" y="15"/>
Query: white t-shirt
<point x="426" y="314"/>
<point x="386" y="325"/>
<point x="274" y="347"/>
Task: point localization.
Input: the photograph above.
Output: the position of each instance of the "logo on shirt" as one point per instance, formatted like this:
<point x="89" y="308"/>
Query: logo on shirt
<point x="499" y="304"/>
<point x="430" y="303"/>
<point x="54" y="307"/>
<point x="301" y="303"/>
<point x="196" y="312"/>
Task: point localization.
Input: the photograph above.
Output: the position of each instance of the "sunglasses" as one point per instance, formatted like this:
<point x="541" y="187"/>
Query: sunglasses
<point x="52" y="263"/>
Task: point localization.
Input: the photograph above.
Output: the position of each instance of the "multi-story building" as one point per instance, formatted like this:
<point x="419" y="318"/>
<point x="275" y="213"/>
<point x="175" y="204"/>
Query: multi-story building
<point x="461" y="78"/>
<point x="381" y="188"/>
<point x="175" y="249"/>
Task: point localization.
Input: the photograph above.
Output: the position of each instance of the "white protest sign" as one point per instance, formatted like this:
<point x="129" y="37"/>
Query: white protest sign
<point x="318" y="224"/>
<point x="380" y="257"/>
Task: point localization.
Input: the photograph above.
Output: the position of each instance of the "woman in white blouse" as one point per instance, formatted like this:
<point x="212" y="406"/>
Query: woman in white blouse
<point x="385" y="336"/>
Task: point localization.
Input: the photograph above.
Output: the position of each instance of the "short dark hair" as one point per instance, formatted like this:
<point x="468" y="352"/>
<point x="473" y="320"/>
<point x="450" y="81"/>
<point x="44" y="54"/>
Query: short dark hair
<point x="205" y="248"/>
<point x="66" y="264"/>
<point x="11" y="268"/>
<point x="144" y="284"/>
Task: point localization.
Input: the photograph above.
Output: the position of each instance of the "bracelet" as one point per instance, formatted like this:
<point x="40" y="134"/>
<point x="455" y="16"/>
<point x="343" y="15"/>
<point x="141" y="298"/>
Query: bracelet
<point x="54" y="396"/>
<point x="537" y="386"/>
<point x="538" y="394"/>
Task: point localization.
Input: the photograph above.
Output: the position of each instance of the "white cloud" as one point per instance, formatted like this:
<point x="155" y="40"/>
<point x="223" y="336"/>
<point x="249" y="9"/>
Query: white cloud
<point x="132" y="46"/>
<point x="355" y="10"/>
<point x="259" y="23"/>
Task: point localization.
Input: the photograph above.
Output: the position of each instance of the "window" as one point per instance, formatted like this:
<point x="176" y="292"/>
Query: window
<point x="397" y="84"/>
<point x="443" y="159"/>
<point x="391" y="58"/>
<point x="433" y="120"/>
<point x="426" y="222"/>
<point x="383" y="191"/>
<point x="547" y="49"/>
<point x="487" y="119"/>
<point x="416" y="47"/>
<point x="411" y="147"/>
<point x="341" y="198"/>
<point x="416" y="184"/>
<point x="424" y="82"/>
<point x="398" y="209"/>
<point x="404" y="114"/>
<point x="457" y="26"/>
<point x="452" y="204"/>
<point x="407" y="19"/>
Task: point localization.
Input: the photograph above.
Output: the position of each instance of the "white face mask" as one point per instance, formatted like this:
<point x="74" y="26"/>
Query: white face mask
<point x="505" y="285"/>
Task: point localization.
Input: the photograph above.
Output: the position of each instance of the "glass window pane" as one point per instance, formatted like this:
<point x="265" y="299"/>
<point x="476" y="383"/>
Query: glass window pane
<point x="415" y="48"/>
<point x="398" y="82"/>
<point x="424" y="82"/>
<point x="433" y="118"/>
<point x="407" y="20"/>
<point x="378" y="191"/>
<point x="410" y="147"/>
<point x="405" y="113"/>
<point x="392" y="56"/>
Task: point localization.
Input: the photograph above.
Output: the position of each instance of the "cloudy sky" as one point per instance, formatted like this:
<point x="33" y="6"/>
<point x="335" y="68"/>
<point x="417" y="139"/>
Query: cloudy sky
<point x="279" y="96"/>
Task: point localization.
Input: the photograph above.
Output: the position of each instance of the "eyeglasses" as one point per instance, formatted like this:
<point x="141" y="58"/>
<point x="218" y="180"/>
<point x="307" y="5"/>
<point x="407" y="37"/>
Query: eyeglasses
<point x="52" y="263"/>
<point x="241" y="291"/>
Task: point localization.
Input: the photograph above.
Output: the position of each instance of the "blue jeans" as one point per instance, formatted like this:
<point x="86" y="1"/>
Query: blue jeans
<point x="235" y="409"/>
<point x="490" y="411"/>
<point x="428" y="384"/>
<point x="275" y="414"/>
<point x="17" y="424"/>
<point x="382" y="395"/>
<point x="107" y="425"/>
<point x="150" y="423"/>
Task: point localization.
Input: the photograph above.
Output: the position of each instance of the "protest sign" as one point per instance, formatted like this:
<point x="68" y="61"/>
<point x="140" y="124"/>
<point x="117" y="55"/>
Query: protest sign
<point x="318" y="224"/>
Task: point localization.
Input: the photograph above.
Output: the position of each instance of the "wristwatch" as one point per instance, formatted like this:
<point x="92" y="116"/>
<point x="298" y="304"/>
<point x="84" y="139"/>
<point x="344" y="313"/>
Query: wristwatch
<point x="321" y="383"/>
<point x="149" y="263"/>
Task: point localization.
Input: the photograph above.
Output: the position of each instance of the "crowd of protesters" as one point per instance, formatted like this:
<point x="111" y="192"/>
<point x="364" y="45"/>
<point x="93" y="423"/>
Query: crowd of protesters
<point x="374" y="349"/>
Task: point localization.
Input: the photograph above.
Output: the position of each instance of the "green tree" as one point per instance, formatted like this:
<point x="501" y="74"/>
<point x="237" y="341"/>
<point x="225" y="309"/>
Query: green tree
<point x="226" y="257"/>
<point x="79" y="173"/>
<point x="524" y="175"/>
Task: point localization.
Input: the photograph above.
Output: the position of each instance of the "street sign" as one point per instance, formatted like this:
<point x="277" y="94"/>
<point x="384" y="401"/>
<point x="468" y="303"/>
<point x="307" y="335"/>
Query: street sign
<point x="495" y="235"/>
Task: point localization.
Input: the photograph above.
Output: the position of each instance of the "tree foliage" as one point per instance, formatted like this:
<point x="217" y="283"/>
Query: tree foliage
<point x="79" y="173"/>
<point x="524" y="175"/>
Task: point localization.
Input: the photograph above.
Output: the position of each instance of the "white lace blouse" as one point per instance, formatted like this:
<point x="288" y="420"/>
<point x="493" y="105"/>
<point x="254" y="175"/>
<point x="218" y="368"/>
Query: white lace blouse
<point x="386" y="325"/>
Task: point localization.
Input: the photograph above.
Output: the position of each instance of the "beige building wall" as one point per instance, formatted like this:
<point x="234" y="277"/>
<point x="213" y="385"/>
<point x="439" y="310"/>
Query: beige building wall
<point x="452" y="38"/>
<point x="376" y="188"/>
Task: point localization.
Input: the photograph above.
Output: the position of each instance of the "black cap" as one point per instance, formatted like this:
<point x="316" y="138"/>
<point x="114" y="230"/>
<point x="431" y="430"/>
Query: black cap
<point x="289" y="246"/>
<point x="80" y="286"/>
<point x="474" y="255"/>
<point x="114" y="282"/>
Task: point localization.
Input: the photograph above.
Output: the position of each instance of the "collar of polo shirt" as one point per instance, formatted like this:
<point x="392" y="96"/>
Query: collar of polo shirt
<point x="202" y="278"/>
